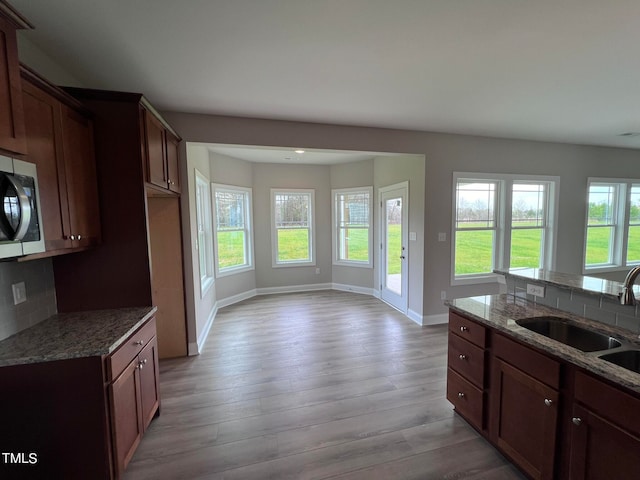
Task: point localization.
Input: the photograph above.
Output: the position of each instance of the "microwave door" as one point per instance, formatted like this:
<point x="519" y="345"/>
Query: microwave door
<point x="16" y="214"/>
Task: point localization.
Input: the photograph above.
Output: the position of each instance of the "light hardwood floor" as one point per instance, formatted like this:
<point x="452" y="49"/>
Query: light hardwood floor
<point x="309" y="386"/>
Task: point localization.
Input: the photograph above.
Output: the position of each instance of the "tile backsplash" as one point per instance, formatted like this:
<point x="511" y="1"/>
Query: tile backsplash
<point x="41" y="295"/>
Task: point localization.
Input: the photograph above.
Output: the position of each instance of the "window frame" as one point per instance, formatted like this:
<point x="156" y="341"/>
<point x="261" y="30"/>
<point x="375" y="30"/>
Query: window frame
<point x="247" y="194"/>
<point x="204" y="232"/>
<point x="618" y="252"/>
<point x="311" y="228"/>
<point x="501" y="257"/>
<point x="336" y="228"/>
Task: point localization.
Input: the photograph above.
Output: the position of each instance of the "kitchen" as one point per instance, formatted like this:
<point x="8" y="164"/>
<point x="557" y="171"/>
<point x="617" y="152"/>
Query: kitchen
<point x="444" y="154"/>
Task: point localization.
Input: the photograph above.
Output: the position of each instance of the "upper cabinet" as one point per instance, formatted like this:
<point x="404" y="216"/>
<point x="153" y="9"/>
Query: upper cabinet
<point x="59" y="135"/>
<point x="12" y="134"/>
<point x="161" y="153"/>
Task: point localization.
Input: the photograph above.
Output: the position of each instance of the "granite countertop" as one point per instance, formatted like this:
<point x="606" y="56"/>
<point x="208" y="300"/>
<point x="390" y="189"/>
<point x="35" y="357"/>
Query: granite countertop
<point x="73" y="335"/>
<point x="502" y="311"/>
<point x="581" y="283"/>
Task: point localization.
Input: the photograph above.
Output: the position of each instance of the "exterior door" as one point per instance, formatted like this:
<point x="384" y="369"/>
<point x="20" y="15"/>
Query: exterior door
<point x="394" y="252"/>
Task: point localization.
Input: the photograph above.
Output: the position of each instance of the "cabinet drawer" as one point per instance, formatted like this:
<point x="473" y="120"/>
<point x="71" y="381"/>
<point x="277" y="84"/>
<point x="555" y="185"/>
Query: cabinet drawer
<point x="536" y="364"/>
<point x="131" y="347"/>
<point x="468" y="329"/>
<point x="466" y="359"/>
<point x="609" y="402"/>
<point x="467" y="399"/>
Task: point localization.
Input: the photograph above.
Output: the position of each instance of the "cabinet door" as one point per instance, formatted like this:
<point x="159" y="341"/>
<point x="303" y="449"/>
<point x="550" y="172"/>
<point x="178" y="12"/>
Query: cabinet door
<point x="44" y="146"/>
<point x="149" y="395"/>
<point x="524" y="414"/>
<point x="126" y="418"/>
<point x="12" y="134"/>
<point x="155" y="143"/>
<point x="173" y="169"/>
<point x="82" y="185"/>
<point x="600" y="450"/>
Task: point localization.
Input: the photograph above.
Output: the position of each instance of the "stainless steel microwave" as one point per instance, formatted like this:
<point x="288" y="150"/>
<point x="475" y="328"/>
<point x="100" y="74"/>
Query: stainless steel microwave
<point x="20" y="218"/>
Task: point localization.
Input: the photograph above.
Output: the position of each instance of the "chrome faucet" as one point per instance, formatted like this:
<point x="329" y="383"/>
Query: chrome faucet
<point x="627" y="297"/>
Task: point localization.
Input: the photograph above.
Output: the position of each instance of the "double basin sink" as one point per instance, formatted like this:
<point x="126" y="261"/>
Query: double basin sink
<point x="583" y="339"/>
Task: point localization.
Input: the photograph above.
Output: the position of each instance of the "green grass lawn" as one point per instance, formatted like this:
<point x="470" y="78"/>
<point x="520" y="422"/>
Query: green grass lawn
<point x="473" y="248"/>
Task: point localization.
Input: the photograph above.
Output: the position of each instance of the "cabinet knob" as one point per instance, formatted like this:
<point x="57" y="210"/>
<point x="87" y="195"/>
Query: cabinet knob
<point x="548" y="402"/>
<point x="577" y="421"/>
<point x="79" y="237"/>
<point x="139" y="342"/>
<point x="460" y="395"/>
<point x="73" y="237"/>
<point x="464" y="329"/>
<point x="140" y="365"/>
<point x="144" y="362"/>
<point x="462" y="356"/>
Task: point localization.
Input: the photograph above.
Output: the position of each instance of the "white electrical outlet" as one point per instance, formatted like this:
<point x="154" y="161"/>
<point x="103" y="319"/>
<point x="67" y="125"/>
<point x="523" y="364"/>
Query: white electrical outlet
<point x="443" y="295"/>
<point x="535" y="290"/>
<point x="317" y="271"/>
<point x="19" y="293"/>
<point x="442" y="237"/>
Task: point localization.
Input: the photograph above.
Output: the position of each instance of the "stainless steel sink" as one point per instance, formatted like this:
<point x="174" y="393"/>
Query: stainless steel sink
<point x="629" y="359"/>
<point x="559" y="329"/>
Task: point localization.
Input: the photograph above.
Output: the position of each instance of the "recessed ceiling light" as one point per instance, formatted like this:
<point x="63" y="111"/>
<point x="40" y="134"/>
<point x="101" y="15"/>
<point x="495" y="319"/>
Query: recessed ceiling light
<point x="629" y="134"/>
<point x="299" y="151"/>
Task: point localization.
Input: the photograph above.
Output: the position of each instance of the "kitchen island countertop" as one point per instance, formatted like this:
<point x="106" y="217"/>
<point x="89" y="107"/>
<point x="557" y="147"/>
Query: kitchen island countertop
<point x="73" y="335"/>
<point x="502" y="311"/>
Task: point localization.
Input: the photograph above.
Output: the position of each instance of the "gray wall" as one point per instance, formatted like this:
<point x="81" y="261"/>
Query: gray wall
<point x="445" y="154"/>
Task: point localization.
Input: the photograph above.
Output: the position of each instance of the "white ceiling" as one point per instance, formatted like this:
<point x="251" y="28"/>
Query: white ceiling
<point x="558" y="70"/>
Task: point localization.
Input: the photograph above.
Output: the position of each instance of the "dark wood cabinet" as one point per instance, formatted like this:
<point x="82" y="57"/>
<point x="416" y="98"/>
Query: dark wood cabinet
<point x="605" y="432"/>
<point x="139" y="261"/>
<point x="466" y="369"/>
<point x="134" y="395"/>
<point x="524" y="419"/>
<point x="12" y="134"/>
<point x="547" y="415"/>
<point x="83" y="417"/>
<point x="59" y="137"/>
<point x="162" y="154"/>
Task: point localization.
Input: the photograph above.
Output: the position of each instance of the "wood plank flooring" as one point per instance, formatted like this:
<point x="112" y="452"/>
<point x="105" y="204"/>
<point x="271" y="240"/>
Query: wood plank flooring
<point x="311" y="386"/>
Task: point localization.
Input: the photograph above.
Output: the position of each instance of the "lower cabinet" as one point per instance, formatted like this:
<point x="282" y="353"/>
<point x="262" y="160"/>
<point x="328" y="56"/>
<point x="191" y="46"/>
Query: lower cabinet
<point x="80" y="418"/>
<point x="524" y="418"/>
<point x="552" y="419"/>
<point x="133" y="395"/>
<point x="605" y="432"/>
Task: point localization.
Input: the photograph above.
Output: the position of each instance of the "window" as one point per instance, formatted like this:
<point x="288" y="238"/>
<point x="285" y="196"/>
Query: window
<point x="205" y="234"/>
<point x="234" y="243"/>
<point x="612" y="239"/>
<point x="502" y="222"/>
<point x="292" y="227"/>
<point x="352" y="232"/>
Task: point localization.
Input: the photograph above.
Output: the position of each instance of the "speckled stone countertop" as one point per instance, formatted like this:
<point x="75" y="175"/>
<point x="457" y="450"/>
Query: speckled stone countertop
<point x="502" y="311"/>
<point x="73" y="335"/>
<point x="581" y="283"/>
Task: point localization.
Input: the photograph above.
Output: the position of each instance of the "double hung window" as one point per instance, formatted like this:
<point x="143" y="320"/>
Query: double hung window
<point x="502" y="222"/>
<point x="352" y="232"/>
<point x="292" y="227"/>
<point x="612" y="239"/>
<point x="234" y="239"/>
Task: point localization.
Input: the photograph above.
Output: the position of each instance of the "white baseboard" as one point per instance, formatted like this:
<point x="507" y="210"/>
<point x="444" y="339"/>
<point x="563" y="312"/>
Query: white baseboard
<point x="225" y="302"/>
<point x="438" y="319"/>
<point x="293" y="289"/>
<point x="352" y="288"/>
<point x="202" y="338"/>
<point x="416" y="317"/>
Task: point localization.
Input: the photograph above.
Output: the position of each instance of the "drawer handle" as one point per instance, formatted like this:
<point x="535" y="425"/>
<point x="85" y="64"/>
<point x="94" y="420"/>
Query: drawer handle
<point x="464" y="329"/>
<point x="139" y="342"/>
<point x="548" y="402"/>
<point x="462" y="356"/>
<point x="577" y="421"/>
<point x="460" y="395"/>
